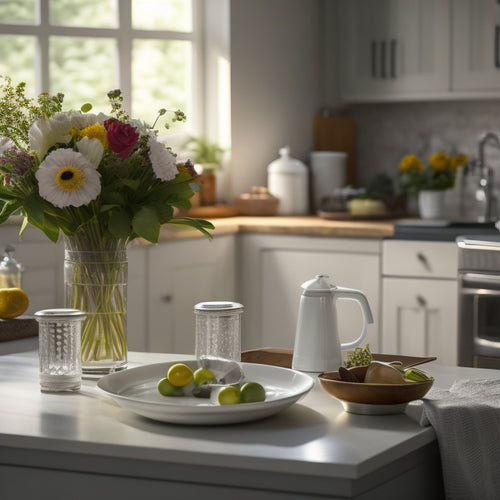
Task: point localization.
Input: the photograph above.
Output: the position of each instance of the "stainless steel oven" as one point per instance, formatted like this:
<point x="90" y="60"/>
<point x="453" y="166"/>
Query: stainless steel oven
<point x="479" y="301"/>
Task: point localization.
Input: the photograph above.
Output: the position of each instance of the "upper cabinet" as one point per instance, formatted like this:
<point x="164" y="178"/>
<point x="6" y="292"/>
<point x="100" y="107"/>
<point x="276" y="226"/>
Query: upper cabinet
<point x="393" y="50"/>
<point x="476" y="46"/>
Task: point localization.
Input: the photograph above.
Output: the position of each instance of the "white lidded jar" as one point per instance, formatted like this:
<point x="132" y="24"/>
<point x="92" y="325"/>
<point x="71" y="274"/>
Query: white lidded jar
<point x="287" y="179"/>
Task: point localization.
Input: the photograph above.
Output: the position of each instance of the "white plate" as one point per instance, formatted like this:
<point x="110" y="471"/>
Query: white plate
<point x="136" y="390"/>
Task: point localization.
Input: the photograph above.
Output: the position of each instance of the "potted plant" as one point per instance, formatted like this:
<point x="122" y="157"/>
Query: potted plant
<point x="208" y="155"/>
<point x="430" y="182"/>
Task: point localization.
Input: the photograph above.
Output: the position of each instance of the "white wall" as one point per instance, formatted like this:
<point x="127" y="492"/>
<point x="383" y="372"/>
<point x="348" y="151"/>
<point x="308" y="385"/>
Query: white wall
<point x="276" y="50"/>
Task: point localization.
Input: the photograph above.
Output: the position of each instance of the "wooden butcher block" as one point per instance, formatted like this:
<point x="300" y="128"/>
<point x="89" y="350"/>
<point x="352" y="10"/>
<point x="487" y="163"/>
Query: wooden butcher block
<point x="337" y="133"/>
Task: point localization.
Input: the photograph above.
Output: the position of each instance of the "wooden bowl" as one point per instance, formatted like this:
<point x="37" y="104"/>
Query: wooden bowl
<point x="378" y="394"/>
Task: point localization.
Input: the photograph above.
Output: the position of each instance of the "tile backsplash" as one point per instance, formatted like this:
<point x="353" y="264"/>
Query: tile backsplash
<point x="386" y="132"/>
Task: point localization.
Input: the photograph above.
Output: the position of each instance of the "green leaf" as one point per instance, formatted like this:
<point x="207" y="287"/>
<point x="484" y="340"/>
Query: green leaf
<point x="199" y="224"/>
<point x="86" y="107"/>
<point x="146" y="224"/>
<point x="119" y="224"/>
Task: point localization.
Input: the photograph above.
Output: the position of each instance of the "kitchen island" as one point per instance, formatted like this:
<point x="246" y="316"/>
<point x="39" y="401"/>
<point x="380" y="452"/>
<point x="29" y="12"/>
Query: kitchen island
<point x="81" y="445"/>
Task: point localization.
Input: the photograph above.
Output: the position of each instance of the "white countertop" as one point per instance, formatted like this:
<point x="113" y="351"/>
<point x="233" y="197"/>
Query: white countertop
<point x="312" y="440"/>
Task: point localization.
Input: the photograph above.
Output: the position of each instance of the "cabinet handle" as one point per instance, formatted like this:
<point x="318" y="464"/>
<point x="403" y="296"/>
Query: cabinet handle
<point x="393" y="58"/>
<point x="374" y="58"/>
<point x="423" y="260"/>
<point x="382" y="59"/>
<point x="421" y="301"/>
<point x="497" y="46"/>
<point x="166" y="298"/>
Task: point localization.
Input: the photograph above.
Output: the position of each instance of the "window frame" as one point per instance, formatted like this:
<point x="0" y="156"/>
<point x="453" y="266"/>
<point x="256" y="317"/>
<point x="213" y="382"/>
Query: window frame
<point x="124" y="34"/>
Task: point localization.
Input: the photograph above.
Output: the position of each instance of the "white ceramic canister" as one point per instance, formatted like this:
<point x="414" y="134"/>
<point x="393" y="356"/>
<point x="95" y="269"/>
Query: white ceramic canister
<point x="287" y="179"/>
<point x="328" y="171"/>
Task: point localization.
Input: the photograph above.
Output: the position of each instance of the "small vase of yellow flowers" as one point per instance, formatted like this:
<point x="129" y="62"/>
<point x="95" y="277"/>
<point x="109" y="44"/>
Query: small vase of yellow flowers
<point x="429" y="182"/>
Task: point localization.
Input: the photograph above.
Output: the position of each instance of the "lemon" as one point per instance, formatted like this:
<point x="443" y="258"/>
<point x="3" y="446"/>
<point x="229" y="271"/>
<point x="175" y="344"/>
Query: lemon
<point x="203" y="376"/>
<point x="13" y="302"/>
<point x="179" y="375"/>
<point x="229" y="395"/>
<point x="252" y="392"/>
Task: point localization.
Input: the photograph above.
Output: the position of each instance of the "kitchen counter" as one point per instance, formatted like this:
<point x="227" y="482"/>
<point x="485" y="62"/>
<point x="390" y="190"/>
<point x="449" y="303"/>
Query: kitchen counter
<point x="309" y="225"/>
<point x="82" y="444"/>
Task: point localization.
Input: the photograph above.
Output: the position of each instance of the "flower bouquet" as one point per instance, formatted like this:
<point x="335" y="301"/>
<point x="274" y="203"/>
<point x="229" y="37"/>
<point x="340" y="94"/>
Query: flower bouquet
<point x="101" y="180"/>
<point x="439" y="174"/>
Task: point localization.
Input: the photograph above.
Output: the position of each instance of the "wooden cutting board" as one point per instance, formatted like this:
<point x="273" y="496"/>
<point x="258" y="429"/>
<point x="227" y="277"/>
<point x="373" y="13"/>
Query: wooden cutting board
<point x="337" y="133"/>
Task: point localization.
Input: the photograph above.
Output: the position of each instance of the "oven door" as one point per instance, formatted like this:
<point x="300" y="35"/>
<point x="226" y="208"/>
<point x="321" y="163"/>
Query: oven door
<point x="479" y="321"/>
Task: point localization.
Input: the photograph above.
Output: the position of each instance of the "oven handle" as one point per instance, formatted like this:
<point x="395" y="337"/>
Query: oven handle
<point x="474" y="280"/>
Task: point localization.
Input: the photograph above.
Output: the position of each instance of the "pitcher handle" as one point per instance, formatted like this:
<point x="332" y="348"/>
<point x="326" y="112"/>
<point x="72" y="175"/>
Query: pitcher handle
<point x="358" y="296"/>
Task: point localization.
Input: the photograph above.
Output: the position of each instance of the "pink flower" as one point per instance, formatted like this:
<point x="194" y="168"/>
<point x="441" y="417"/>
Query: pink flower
<point x="122" y="137"/>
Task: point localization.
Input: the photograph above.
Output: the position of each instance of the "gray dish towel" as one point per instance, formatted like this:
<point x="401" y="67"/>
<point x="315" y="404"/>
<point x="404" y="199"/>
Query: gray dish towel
<point x="466" y="420"/>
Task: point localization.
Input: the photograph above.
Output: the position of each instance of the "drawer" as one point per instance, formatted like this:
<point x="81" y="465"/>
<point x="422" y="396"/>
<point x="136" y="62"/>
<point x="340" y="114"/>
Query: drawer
<point x="423" y="259"/>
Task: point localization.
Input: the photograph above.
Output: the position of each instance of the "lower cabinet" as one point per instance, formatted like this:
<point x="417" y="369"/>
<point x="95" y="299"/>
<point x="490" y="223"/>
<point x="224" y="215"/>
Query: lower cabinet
<point x="420" y="318"/>
<point x="179" y="275"/>
<point x="272" y="269"/>
<point x="420" y="299"/>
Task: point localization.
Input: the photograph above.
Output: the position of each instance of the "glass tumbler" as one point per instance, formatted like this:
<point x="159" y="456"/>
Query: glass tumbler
<point x="59" y="338"/>
<point x="218" y="329"/>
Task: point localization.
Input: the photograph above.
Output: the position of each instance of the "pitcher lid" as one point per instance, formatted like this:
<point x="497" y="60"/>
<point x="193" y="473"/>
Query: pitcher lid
<point x="321" y="283"/>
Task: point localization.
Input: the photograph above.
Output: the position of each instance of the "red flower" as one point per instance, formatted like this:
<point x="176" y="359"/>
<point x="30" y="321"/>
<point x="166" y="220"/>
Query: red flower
<point x="122" y="137"/>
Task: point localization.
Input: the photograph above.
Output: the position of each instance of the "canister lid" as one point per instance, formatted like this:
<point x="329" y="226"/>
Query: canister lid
<point x="218" y="305"/>
<point x="286" y="164"/>
<point x="60" y="314"/>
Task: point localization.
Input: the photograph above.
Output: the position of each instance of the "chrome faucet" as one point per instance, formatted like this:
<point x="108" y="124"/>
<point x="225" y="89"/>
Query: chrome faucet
<point x="486" y="177"/>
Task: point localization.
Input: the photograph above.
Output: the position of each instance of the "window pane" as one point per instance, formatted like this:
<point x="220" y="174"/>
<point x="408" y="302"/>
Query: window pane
<point x="17" y="11"/>
<point x="87" y="13"/>
<point x="174" y="15"/>
<point x="83" y="69"/>
<point x="17" y="60"/>
<point x="161" y="78"/>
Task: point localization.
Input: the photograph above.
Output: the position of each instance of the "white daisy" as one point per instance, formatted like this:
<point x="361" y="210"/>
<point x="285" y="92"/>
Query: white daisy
<point x="67" y="178"/>
<point x="163" y="160"/>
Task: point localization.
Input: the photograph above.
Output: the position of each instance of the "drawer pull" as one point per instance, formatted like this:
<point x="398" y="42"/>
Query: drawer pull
<point x="423" y="260"/>
<point x="166" y="298"/>
<point x="421" y="301"/>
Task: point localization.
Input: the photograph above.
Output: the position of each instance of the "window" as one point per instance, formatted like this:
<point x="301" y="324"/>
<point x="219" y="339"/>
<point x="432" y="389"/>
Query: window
<point x="150" y="49"/>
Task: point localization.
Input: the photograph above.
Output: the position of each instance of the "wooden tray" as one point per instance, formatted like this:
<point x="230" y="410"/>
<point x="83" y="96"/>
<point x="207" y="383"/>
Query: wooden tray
<point x="349" y="217"/>
<point x="213" y="211"/>
<point x="283" y="357"/>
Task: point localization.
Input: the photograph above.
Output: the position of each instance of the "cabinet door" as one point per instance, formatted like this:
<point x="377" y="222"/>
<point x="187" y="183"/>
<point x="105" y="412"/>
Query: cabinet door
<point x="282" y="273"/>
<point x="393" y="49"/>
<point x="476" y="45"/>
<point x="419" y="318"/>
<point x="181" y="274"/>
<point x="43" y="264"/>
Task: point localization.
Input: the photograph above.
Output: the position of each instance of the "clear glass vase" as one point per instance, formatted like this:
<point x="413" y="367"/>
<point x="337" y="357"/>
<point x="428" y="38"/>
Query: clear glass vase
<point x="95" y="282"/>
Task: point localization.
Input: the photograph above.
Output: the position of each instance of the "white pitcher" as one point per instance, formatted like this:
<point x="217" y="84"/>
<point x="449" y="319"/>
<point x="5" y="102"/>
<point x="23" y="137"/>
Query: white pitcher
<point x="317" y="345"/>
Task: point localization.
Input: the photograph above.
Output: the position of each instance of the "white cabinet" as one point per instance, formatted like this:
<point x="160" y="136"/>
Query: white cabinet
<point x="476" y="45"/>
<point x="420" y="299"/>
<point x="179" y="275"/>
<point x="393" y="48"/>
<point x="272" y="269"/>
<point x="42" y="260"/>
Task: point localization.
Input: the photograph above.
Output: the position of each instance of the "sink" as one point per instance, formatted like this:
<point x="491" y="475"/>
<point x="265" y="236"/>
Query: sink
<point x="441" y="230"/>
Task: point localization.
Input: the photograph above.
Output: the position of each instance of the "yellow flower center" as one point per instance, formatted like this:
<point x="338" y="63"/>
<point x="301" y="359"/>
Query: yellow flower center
<point x="70" y="178"/>
<point x="96" y="131"/>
